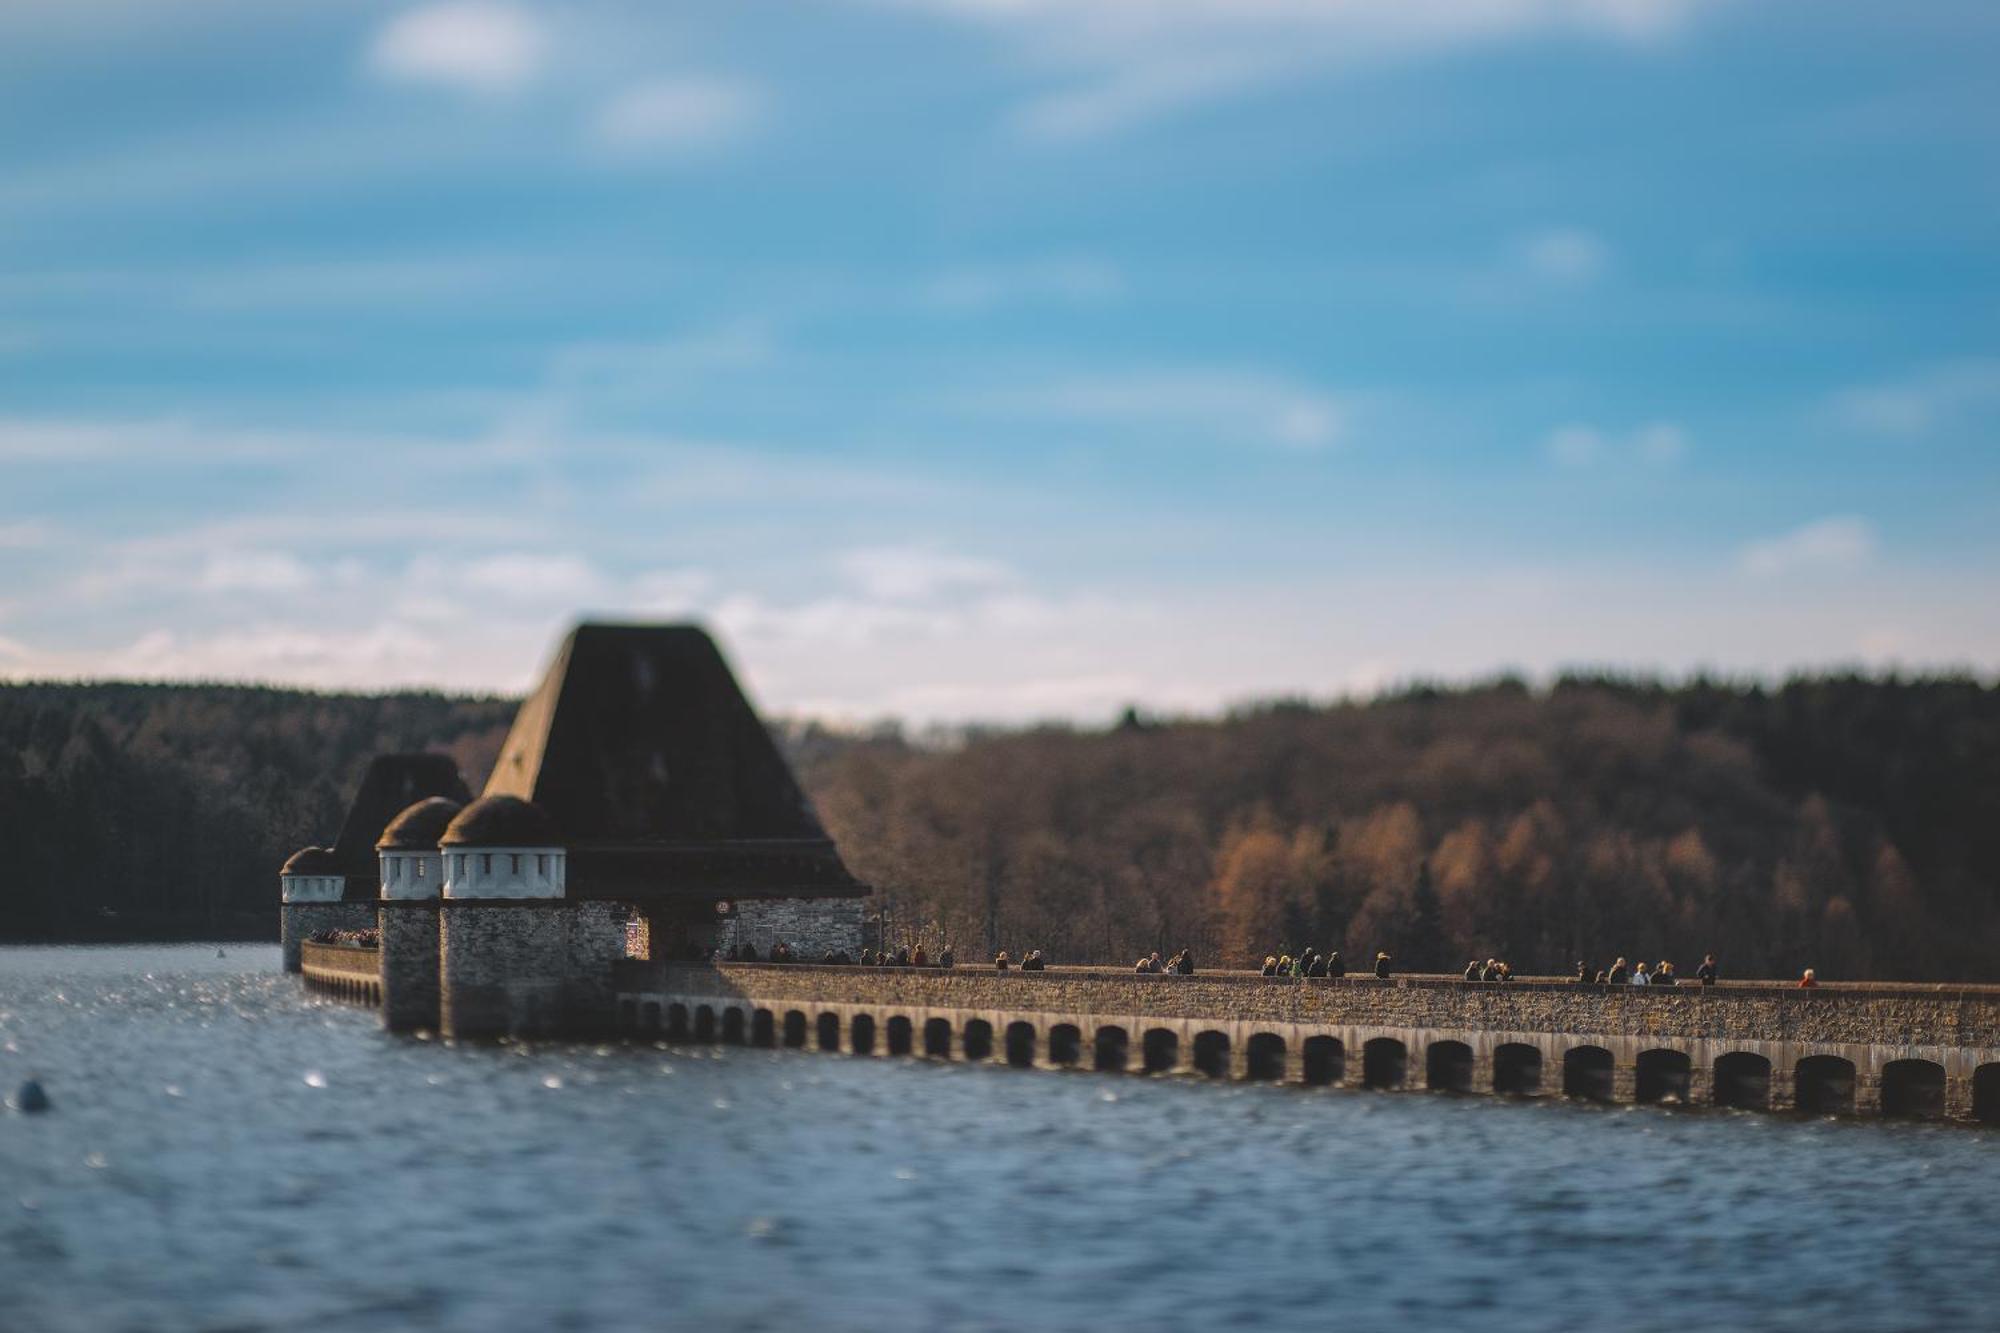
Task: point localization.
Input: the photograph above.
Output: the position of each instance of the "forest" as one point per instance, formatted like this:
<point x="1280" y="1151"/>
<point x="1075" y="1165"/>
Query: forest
<point x="1846" y="823"/>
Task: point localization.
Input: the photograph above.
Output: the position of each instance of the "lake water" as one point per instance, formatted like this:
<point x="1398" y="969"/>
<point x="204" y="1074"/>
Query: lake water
<point x="228" y="1152"/>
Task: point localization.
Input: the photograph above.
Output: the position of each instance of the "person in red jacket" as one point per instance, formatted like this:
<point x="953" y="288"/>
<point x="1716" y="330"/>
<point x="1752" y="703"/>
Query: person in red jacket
<point x="1808" y="980"/>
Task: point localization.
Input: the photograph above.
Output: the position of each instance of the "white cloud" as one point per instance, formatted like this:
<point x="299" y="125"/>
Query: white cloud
<point x="531" y="577"/>
<point x="1567" y="255"/>
<point x="1577" y="444"/>
<point x="914" y="573"/>
<point x="1922" y="402"/>
<point x="356" y="658"/>
<point x="469" y="45"/>
<point x="1839" y="543"/>
<point x="254" y="572"/>
<point x="1114" y="64"/>
<point x="679" y="116"/>
<point x="28" y="535"/>
<point x="1230" y="406"/>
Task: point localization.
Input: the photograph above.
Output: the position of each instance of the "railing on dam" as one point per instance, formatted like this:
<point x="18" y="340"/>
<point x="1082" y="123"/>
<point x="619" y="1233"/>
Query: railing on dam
<point x="351" y="971"/>
<point x="1900" y="1050"/>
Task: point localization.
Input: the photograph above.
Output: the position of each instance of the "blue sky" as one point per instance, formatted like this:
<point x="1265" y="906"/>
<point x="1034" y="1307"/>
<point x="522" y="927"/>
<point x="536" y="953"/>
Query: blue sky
<point x="999" y="359"/>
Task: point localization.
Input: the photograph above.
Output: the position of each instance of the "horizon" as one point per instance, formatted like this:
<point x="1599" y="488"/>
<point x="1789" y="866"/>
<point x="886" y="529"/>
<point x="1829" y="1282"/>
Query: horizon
<point x="995" y="365"/>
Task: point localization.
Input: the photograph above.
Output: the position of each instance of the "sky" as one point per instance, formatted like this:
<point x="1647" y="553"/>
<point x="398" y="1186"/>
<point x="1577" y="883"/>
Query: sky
<point x="1000" y="360"/>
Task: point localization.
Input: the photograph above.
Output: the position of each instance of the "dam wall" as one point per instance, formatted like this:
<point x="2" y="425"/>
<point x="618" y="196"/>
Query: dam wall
<point x="1899" y="1050"/>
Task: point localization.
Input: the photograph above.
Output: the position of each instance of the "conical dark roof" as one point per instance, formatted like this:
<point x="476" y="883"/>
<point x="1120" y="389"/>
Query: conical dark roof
<point x="393" y="783"/>
<point x="659" y="775"/>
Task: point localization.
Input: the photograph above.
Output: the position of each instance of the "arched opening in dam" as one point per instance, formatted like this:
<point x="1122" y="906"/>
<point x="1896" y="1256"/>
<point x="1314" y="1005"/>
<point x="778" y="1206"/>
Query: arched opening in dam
<point x="1743" y="1081"/>
<point x="1324" y="1060"/>
<point x="977" y="1041"/>
<point x="937" y="1038"/>
<point x="1824" y="1085"/>
<point x="649" y="1017"/>
<point x="732" y="1026"/>
<point x="861" y="1035"/>
<point x="1448" y="1067"/>
<point x="1588" y="1074"/>
<point x="704" y="1023"/>
<point x="1385" y="1063"/>
<point x="1517" y="1070"/>
<point x="1021" y="1044"/>
<point x="1663" y="1076"/>
<point x="829" y="1032"/>
<point x="1913" y="1089"/>
<point x="900" y="1033"/>
<point x="677" y="1022"/>
<point x="1113" y="1050"/>
<point x="1264" y="1058"/>
<point x="1986" y="1094"/>
<point x="1161" y="1050"/>
<point x="763" y="1030"/>
<point x="1065" y="1045"/>
<point x="795" y="1029"/>
<point x="1211" y="1054"/>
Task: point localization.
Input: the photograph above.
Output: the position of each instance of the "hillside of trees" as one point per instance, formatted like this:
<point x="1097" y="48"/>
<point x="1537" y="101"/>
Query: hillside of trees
<point x="1846" y="823"/>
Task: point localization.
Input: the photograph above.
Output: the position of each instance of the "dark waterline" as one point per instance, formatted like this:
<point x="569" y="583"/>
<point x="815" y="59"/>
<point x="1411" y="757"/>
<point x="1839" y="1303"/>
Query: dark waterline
<point x="228" y="1152"/>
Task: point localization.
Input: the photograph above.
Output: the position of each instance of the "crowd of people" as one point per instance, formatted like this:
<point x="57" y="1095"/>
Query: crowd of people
<point x="1310" y="963"/>
<point x="1622" y="973"/>
<point x="1180" y="965"/>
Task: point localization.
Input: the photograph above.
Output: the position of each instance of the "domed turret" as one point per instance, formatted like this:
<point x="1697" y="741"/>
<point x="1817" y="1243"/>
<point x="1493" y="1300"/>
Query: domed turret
<point x="412" y="866"/>
<point x="311" y="875"/>
<point x="503" y="847"/>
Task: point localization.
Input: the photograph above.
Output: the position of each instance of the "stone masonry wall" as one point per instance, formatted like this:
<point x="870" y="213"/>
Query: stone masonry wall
<point x="527" y="967"/>
<point x="298" y="922"/>
<point x="409" y="964"/>
<point x="812" y="926"/>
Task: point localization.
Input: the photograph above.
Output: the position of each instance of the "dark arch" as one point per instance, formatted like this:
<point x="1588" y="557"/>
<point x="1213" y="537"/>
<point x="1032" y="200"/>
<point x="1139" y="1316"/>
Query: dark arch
<point x="732" y="1026"/>
<point x="1324" y="1060"/>
<point x="1823" y="1085"/>
<point x="1264" y="1058"/>
<point x="1663" y="1076"/>
<point x="861" y="1034"/>
<point x="628" y="1015"/>
<point x="1448" y="1067"/>
<point x="1021" y="1043"/>
<point x="1587" y="1074"/>
<point x="1743" y="1081"/>
<point x="1913" y="1088"/>
<point x="762" y="1030"/>
<point x="1385" y="1063"/>
<point x="1517" y="1069"/>
<point x="829" y="1032"/>
<point x="1161" y="1050"/>
<point x="677" y="1022"/>
<point x="901" y="1032"/>
<point x="1065" y="1045"/>
<point x="649" y="1017"/>
<point x="1112" y="1044"/>
<point x="978" y="1041"/>
<point x="795" y="1028"/>
<point x="937" y="1038"/>
<point x="1986" y="1094"/>
<point x="1211" y="1053"/>
<point x="704" y="1023"/>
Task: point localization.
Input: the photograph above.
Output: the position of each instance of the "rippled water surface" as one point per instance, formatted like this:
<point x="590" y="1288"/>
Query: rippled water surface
<point x="228" y="1152"/>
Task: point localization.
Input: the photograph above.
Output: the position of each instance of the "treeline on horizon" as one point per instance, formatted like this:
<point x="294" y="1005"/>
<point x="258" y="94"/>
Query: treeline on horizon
<point x="1841" y="822"/>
